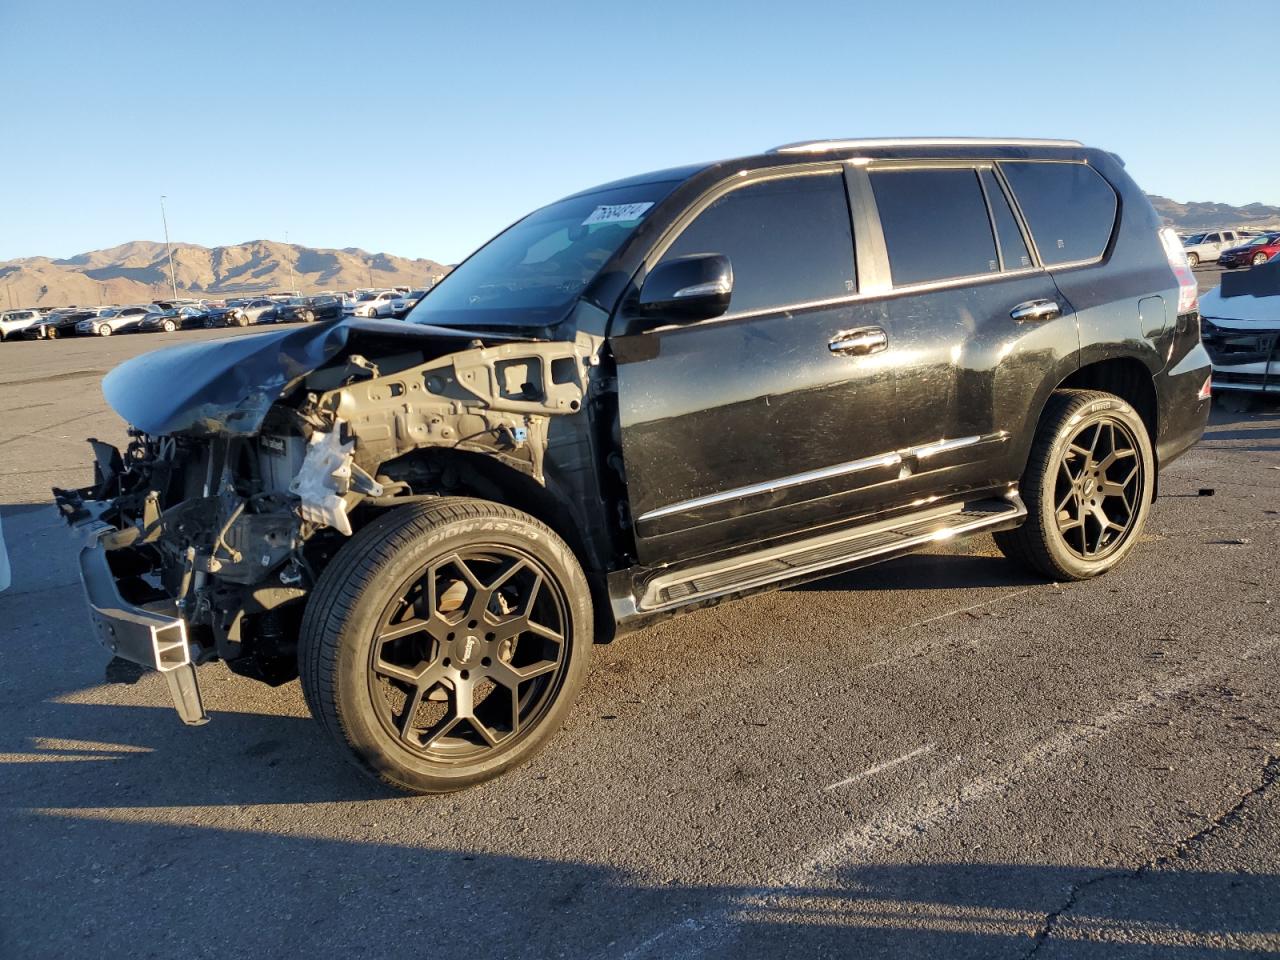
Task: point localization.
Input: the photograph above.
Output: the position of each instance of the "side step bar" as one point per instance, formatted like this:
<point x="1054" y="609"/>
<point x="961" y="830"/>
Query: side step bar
<point x="850" y="547"/>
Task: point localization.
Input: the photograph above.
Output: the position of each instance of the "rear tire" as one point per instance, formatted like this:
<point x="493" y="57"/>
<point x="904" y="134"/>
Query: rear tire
<point x="445" y="643"/>
<point x="1087" y="486"/>
<point x="308" y="317"/>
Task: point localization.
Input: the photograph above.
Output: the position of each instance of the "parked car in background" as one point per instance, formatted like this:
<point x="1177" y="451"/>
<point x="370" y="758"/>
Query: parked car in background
<point x="1257" y="251"/>
<point x="260" y="310"/>
<point x="401" y="306"/>
<point x="1240" y="327"/>
<point x="311" y="309"/>
<point x="376" y="304"/>
<point x="59" y="323"/>
<point x="1206" y="247"/>
<point x="353" y="298"/>
<point x="181" y="318"/>
<point x="116" y="320"/>
<point x="15" y="321"/>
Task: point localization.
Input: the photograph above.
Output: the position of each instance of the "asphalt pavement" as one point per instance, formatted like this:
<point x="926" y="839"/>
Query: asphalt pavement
<point x="937" y="757"/>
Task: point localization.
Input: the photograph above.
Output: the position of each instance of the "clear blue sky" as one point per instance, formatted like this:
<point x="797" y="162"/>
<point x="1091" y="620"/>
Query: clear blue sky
<point x="422" y="128"/>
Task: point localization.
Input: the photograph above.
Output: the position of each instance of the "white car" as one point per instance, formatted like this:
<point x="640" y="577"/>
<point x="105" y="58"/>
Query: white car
<point x="1240" y="329"/>
<point x="406" y="302"/>
<point x="1205" y="247"/>
<point x="376" y="304"/>
<point x="15" y="321"/>
<point x="114" y="321"/>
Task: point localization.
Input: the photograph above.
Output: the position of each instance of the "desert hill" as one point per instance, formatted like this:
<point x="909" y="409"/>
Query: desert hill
<point x="138" y="271"/>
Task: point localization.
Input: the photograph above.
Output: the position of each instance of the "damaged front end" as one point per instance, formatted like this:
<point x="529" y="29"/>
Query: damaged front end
<point x="252" y="460"/>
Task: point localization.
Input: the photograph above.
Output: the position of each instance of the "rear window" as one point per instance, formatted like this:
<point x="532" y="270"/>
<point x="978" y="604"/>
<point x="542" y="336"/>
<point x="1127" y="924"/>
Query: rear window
<point x="1069" y="208"/>
<point x="935" y="224"/>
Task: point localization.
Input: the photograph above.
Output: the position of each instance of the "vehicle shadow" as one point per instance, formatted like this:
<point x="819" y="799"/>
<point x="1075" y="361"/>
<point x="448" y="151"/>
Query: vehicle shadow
<point x="947" y="571"/>
<point x="188" y="890"/>
<point x="79" y="755"/>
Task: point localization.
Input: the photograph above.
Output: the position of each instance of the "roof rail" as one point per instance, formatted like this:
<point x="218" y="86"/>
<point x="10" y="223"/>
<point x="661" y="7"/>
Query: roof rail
<point x="825" y="146"/>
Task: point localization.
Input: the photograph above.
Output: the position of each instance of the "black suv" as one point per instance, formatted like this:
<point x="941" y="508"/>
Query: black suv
<point x="650" y="396"/>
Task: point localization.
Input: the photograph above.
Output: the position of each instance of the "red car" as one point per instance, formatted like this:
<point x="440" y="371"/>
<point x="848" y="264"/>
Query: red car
<point x="1258" y="250"/>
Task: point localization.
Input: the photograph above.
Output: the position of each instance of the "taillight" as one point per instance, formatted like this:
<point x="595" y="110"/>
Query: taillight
<point x="1188" y="291"/>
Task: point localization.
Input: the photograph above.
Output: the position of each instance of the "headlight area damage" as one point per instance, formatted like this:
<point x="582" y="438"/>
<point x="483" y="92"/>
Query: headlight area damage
<point x="251" y="460"/>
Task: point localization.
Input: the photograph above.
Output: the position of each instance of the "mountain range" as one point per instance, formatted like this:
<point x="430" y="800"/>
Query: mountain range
<point x="138" y="272"/>
<point x="1195" y="215"/>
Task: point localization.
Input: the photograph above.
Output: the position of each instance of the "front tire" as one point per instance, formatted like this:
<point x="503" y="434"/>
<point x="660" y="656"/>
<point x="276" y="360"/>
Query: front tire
<point x="1087" y="486"/>
<point x="1259" y="259"/>
<point x="1193" y="259"/>
<point x="445" y="643"/>
<point x="103" y="330"/>
<point x="169" y="326"/>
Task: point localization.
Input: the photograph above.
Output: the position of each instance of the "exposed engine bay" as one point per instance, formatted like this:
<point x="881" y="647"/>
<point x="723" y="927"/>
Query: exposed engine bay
<point x="230" y="518"/>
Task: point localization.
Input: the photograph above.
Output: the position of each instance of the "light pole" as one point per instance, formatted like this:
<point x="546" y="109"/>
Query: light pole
<point x="293" y="285"/>
<point x="173" y="281"/>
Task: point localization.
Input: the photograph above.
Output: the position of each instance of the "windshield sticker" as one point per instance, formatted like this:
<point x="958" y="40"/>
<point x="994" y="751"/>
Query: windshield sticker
<point x="617" y="213"/>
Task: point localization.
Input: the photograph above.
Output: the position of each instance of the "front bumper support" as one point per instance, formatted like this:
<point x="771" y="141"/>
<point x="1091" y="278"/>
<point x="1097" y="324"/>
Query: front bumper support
<point x="153" y="634"/>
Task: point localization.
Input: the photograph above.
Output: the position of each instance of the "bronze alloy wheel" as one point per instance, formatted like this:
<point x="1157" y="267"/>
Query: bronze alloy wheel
<point x="1098" y="488"/>
<point x="1088" y="484"/>
<point x="445" y="642"/>
<point x="469" y="654"/>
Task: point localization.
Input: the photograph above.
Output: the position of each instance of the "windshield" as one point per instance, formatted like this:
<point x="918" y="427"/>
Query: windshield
<point x="1194" y="238"/>
<point x="530" y="274"/>
<point x="1258" y="241"/>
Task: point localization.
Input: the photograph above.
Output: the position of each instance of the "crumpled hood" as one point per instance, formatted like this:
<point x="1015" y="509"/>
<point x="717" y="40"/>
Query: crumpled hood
<point x="226" y="386"/>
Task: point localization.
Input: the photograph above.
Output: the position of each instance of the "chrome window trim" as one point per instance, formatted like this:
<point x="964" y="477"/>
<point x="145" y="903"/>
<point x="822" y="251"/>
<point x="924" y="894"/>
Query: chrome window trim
<point x="923" y="452"/>
<point x="871" y="261"/>
<point x="854" y="298"/>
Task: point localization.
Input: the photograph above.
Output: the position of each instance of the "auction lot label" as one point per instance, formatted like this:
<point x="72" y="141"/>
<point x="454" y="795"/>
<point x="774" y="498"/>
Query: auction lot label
<point x="617" y="213"/>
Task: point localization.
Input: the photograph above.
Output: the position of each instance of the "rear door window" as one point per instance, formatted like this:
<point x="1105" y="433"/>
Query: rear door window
<point x="1070" y="209"/>
<point x="788" y="239"/>
<point x="1014" y="254"/>
<point x="935" y="224"/>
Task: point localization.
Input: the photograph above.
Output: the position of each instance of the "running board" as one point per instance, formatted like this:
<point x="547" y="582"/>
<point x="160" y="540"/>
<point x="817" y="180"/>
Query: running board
<point x="850" y="547"/>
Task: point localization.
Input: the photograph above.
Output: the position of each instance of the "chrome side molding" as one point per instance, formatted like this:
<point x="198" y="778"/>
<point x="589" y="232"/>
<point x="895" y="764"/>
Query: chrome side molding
<point x="892" y="459"/>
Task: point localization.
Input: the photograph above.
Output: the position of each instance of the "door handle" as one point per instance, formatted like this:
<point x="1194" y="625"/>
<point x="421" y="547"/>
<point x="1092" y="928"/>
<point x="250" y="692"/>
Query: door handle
<point x="860" y="342"/>
<point x="1034" y="310"/>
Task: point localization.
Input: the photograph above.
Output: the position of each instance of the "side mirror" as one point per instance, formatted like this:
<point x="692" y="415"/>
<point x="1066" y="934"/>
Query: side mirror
<point x="696" y="287"/>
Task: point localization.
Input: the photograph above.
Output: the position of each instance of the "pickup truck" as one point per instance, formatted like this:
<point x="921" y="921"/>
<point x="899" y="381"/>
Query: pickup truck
<point x="1206" y="247"/>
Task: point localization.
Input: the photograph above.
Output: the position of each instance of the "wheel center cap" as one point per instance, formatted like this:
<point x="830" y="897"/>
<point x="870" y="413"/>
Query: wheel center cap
<point x="468" y="648"/>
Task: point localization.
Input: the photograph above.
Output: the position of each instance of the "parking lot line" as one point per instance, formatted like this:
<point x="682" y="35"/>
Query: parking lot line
<point x="880" y="767"/>
<point x="695" y="937"/>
